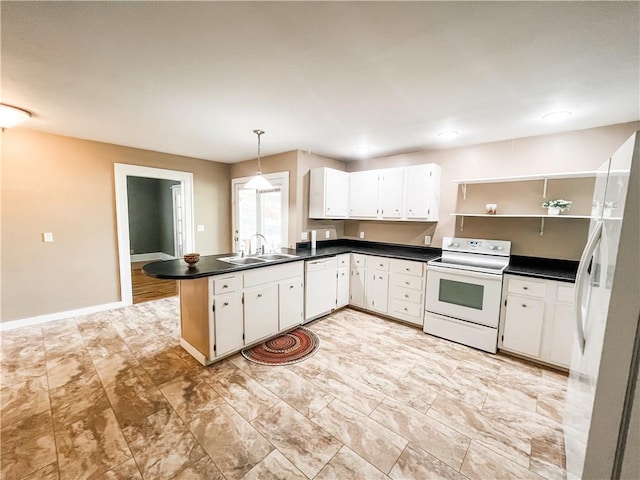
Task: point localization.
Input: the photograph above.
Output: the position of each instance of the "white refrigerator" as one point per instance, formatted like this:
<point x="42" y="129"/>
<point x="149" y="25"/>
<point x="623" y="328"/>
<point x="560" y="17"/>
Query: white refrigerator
<point x="602" y="410"/>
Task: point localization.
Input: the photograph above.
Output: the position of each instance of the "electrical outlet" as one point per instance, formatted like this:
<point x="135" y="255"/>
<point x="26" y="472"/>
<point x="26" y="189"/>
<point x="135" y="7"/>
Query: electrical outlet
<point x="361" y="234"/>
<point x="304" y="236"/>
<point x="327" y="234"/>
<point x="47" y="237"/>
<point x="201" y="228"/>
<point x="427" y="239"/>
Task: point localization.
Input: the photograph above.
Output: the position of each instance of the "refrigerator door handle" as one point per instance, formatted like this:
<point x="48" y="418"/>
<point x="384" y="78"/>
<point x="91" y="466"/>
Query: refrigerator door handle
<point x="585" y="261"/>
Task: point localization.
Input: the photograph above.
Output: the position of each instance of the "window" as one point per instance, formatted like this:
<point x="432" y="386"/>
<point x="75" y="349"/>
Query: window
<point x="257" y="213"/>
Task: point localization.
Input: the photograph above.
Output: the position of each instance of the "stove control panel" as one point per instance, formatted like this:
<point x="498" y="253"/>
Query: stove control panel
<point x="476" y="245"/>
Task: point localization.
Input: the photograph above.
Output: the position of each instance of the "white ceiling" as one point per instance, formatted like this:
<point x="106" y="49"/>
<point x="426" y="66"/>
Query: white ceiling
<point x="195" y="78"/>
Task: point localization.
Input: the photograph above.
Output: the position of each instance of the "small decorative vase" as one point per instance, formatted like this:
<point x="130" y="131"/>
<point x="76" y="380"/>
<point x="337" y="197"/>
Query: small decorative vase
<point x="554" y="210"/>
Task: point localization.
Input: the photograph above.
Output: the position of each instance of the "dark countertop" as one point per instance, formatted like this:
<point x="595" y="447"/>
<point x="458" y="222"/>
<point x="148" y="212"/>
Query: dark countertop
<point x="211" y="265"/>
<point x="547" y="268"/>
<point x="550" y="269"/>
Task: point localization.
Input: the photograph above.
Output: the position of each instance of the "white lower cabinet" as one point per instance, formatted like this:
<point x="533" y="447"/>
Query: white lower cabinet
<point x="377" y="284"/>
<point x="389" y="286"/>
<point x="342" y="297"/>
<point x="356" y="286"/>
<point x="227" y="321"/>
<point x="537" y="319"/>
<point x="524" y="319"/>
<point x="290" y="303"/>
<point x="260" y="312"/>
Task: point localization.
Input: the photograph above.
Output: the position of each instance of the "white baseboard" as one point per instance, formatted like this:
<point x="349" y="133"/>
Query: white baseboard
<point x="144" y="257"/>
<point x="51" y="317"/>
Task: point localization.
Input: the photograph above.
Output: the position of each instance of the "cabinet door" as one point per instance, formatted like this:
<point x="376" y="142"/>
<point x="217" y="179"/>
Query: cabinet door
<point x="228" y="325"/>
<point x="419" y="197"/>
<point x="377" y="295"/>
<point x="356" y="287"/>
<point x="342" y="297"/>
<point x="363" y="194"/>
<point x="290" y="303"/>
<point x="523" y="325"/>
<point x="391" y="188"/>
<point x="563" y="333"/>
<point x="260" y="312"/>
<point x="336" y="193"/>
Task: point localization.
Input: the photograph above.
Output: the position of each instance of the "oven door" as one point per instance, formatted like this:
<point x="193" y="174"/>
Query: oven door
<point x="463" y="294"/>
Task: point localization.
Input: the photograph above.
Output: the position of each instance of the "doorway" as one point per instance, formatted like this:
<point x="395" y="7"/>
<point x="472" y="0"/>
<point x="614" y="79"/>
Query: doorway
<point x="260" y="217"/>
<point x="180" y="206"/>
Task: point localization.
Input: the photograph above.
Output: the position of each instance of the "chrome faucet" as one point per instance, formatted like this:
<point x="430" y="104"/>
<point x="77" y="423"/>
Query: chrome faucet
<point x="262" y="247"/>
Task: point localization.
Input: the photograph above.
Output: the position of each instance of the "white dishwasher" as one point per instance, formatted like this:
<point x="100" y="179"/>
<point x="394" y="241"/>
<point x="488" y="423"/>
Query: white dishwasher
<point x="321" y="285"/>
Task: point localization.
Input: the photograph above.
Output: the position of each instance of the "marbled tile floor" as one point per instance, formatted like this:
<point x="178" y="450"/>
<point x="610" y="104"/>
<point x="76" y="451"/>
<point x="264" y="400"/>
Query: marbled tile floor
<point x="112" y="395"/>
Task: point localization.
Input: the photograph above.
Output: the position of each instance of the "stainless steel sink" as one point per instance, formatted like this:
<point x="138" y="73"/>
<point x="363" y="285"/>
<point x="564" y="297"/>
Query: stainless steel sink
<point x="276" y="256"/>
<point x="268" y="257"/>
<point x="242" y="260"/>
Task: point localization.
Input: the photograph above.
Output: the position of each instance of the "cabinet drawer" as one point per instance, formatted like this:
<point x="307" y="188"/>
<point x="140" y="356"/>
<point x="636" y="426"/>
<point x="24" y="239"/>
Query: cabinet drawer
<point x="358" y="260"/>
<point x="566" y="294"/>
<point x="405" y="308"/>
<point x="343" y="260"/>
<point x="406" y="294"/>
<point x="378" y="263"/>
<point x="407" y="267"/>
<point x="406" y="281"/>
<point x="527" y="287"/>
<point x="226" y="284"/>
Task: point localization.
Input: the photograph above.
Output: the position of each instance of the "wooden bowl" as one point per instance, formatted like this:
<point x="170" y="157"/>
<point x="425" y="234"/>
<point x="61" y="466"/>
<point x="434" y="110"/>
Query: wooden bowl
<point x="192" y="259"/>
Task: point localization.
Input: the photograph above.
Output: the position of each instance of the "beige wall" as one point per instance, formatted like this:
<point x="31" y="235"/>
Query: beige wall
<point x="572" y="151"/>
<point x="283" y="162"/>
<point x="65" y="186"/>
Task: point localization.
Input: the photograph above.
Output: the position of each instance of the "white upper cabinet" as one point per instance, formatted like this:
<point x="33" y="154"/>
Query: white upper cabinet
<point x="390" y="192"/>
<point x="422" y="192"/>
<point x="363" y="194"/>
<point x="400" y="194"/>
<point x="328" y="193"/>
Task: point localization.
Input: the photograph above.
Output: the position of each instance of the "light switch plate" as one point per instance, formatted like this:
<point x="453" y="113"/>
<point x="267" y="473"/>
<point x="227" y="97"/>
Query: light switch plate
<point x="304" y="236"/>
<point x="47" y="237"/>
<point x="427" y="239"/>
<point x="201" y="228"/>
<point x="327" y="234"/>
<point x="361" y="234"/>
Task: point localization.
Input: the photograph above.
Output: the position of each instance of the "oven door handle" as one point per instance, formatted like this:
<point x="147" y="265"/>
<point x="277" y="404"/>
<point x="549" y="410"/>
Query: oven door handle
<point x="465" y="273"/>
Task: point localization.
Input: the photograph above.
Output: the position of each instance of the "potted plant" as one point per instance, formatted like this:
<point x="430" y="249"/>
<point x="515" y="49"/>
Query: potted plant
<point x="557" y="206"/>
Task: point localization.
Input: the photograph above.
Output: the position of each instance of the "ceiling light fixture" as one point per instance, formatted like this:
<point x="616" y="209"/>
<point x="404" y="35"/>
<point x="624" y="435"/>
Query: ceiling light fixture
<point x="363" y="149"/>
<point x="11" y="116"/>
<point x="558" y="116"/>
<point x="448" y="135"/>
<point x="258" y="182"/>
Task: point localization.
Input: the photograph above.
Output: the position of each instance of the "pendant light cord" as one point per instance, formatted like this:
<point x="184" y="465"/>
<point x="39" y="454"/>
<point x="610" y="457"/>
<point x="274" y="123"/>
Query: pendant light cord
<point x="259" y="132"/>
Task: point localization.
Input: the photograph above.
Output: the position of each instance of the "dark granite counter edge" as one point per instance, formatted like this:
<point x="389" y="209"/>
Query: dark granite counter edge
<point x="546" y="268"/>
<point x="209" y="265"/>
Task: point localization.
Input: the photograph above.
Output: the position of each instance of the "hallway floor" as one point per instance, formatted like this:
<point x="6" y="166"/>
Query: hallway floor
<point x="112" y="395"/>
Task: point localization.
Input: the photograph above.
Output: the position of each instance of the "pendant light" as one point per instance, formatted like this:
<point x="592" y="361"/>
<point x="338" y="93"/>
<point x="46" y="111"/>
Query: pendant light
<point x="258" y="182"/>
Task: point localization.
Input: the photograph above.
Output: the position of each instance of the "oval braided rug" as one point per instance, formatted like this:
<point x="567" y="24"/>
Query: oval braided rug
<point x="292" y="347"/>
